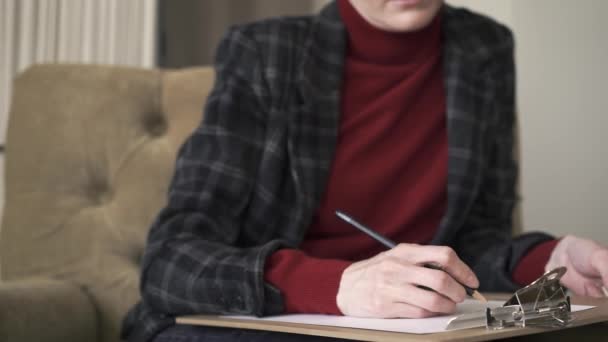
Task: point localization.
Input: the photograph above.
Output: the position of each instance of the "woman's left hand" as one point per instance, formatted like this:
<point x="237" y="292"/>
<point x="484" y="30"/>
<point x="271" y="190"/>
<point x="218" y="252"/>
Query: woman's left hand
<point x="587" y="263"/>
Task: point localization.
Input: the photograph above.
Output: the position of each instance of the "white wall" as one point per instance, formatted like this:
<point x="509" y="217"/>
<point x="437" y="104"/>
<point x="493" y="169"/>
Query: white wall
<point x="562" y="59"/>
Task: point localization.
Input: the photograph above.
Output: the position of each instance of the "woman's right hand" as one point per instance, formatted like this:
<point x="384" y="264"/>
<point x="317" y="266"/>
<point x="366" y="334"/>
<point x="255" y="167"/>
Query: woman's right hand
<point x="388" y="284"/>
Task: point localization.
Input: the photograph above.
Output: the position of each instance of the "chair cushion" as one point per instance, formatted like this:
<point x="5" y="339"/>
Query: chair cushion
<point x="90" y="151"/>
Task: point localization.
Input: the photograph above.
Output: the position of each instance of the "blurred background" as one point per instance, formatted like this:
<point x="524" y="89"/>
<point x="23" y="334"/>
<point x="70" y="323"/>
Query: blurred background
<point x="561" y="57"/>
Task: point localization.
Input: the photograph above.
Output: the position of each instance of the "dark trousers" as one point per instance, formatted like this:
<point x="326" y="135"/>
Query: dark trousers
<point x="191" y="333"/>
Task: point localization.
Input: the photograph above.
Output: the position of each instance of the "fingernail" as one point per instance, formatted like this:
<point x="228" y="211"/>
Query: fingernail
<point x="474" y="281"/>
<point x="605" y="290"/>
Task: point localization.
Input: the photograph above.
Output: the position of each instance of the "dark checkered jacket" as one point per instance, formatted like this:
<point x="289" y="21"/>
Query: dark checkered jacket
<point x="249" y="178"/>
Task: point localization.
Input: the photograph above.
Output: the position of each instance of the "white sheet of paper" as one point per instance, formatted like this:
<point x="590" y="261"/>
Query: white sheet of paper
<point x="405" y="325"/>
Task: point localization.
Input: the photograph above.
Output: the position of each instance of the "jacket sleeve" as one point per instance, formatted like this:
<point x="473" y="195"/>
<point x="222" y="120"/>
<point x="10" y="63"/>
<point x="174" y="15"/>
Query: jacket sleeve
<point x="192" y="263"/>
<point x="485" y="241"/>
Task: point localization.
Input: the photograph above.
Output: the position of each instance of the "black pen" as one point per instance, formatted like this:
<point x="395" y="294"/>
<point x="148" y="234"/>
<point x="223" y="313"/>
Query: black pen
<point x="390" y="244"/>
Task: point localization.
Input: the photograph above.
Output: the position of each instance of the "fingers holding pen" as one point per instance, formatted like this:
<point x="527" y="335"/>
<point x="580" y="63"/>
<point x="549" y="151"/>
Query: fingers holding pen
<point x="392" y="280"/>
<point x="402" y="281"/>
<point x="440" y="282"/>
<point x="389" y="286"/>
<point x="379" y="290"/>
<point x="442" y="256"/>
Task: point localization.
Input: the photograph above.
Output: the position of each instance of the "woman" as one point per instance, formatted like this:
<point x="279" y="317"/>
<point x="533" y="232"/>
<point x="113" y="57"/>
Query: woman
<point x="398" y="112"/>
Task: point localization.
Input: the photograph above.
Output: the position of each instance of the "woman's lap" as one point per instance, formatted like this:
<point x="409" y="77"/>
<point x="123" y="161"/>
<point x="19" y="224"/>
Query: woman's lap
<point x="191" y="333"/>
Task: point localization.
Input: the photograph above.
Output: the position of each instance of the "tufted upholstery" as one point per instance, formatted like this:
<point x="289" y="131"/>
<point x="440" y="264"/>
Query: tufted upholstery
<point x="90" y="150"/>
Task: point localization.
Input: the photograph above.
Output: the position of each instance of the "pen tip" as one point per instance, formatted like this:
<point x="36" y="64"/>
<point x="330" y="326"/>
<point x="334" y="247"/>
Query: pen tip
<point x="479" y="296"/>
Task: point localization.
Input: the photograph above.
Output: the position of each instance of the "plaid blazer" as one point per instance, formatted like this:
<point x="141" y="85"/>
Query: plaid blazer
<point x="249" y="178"/>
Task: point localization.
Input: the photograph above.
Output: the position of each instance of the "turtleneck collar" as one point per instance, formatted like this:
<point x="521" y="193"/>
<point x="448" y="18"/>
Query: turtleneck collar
<point x="373" y="45"/>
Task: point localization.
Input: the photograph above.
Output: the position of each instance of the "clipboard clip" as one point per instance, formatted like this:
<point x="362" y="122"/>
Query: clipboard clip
<point x="543" y="303"/>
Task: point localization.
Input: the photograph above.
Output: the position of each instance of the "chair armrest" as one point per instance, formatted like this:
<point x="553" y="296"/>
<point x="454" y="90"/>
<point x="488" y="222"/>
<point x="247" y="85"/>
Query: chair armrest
<point x="45" y="310"/>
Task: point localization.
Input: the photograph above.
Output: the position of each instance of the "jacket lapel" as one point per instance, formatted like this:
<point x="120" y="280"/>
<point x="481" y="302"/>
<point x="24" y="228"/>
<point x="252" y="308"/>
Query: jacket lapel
<point x="313" y="126"/>
<point x="314" y="123"/>
<point x="465" y="105"/>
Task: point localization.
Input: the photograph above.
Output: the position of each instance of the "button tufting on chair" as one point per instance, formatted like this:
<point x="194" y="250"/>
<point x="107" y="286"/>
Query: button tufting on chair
<point x="155" y="124"/>
<point x="100" y="193"/>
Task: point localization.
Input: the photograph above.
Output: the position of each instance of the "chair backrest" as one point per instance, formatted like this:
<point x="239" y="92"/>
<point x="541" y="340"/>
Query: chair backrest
<point x="89" y="154"/>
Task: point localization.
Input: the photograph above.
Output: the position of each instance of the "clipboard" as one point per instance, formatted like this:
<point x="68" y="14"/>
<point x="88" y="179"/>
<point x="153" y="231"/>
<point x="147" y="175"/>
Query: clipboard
<point x="599" y="314"/>
<point x="541" y="307"/>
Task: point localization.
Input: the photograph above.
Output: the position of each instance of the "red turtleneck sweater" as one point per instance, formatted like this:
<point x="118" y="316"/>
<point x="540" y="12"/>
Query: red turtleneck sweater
<point x="390" y="164"/>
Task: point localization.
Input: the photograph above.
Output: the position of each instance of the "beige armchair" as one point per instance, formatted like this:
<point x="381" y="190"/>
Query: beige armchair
<point x="90" y="150"/>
